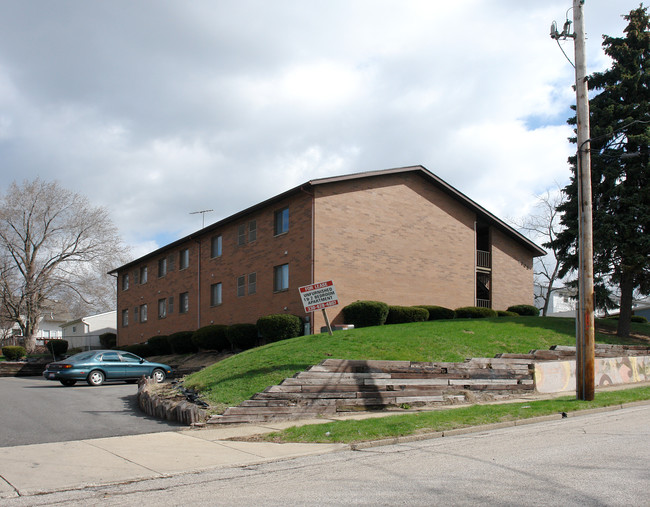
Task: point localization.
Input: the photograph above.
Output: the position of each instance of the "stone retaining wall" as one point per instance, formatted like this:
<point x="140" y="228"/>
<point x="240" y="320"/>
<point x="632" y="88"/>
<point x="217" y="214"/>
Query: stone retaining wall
<point x="21" y="369"/>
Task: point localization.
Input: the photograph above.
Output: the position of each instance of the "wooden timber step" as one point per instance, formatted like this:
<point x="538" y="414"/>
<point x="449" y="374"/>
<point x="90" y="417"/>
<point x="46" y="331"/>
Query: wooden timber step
<point x="336" y="386"/>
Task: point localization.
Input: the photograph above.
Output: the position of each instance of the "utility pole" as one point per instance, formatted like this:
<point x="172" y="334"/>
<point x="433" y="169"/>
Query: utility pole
<point x="585" y="332"/>
<point x="585" y="336"/>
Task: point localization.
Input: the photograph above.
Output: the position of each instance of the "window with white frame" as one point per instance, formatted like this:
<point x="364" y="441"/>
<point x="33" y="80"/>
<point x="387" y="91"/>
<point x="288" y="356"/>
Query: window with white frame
<point x="216" y="244"/>
<point x="281" y="278"/>
<point x="143" y="274"/>
<point x="241" y="286"/>
<point x="143" y="313"/>
<point x="162" y="267"/>
<point x="162" y="308"/>
<point x="184" y="258"/>
<point x="125" y="318"/>
<point x="281" y="221"/>
<point x="252" y="283"/>
<point x="184" y="302"/>
<point x="215" y="294"/>
<point x="125" y="281"/>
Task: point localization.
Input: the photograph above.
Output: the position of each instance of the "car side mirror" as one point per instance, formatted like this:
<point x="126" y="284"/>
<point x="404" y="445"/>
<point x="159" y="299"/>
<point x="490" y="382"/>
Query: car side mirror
<point x="141" y="360"/>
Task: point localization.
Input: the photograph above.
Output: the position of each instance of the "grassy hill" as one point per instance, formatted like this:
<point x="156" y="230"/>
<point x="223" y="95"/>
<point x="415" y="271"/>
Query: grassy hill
<point x="239" y="377"/>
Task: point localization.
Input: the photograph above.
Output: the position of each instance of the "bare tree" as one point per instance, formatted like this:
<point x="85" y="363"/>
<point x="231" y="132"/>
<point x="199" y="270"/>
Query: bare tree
<point x="54" y="243"/>
<point x="542" y="226"/>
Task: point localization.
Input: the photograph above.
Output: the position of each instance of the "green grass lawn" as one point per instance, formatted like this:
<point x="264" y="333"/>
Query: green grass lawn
<point x="351" y="431"/>
<point x="239" y="377"/>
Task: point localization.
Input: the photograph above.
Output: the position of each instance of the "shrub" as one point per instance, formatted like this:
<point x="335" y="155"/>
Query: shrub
<point x="212" y="337"/>
<point x="505" y="313"/>
<point x="139" y="349"/>
<point x="13" y="352"/>
<point x="438" y="312"/>
<point x="524" y="310"/>
<point x="365" y="313"/>
<point x="404" y="314"/>
<point x="279" y="326"/>
<point x="639" y="319"/>
<point x="242" y="336"/>
<point x="182" y="343"/>
<point x="108" y="340"/>
<point x="159" y="345"/>
<point x="474" y="312"/>
<point x="57" y="347"/>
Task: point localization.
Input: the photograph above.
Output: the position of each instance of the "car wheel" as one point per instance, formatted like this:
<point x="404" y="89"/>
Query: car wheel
<point x="158" y="375"/>
<point x="68" y="382"/>
<point x="96" y="378"/>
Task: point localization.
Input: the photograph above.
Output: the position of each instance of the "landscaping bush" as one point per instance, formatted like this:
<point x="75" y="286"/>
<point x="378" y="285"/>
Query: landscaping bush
<point x="57" y="347"/>
<point x="13" y="352"/>
<point x="365" y="313"/>
<point x="438" y="312"/>
<point x="139" y="349"/>
<point x="108" y="340"/>
<point x="279" y="326"/>
<point x="212" y="337"/>
<point x="525" y="310"/>
<point x="242" y="336"/>
<point x="159" y="345"/>
<point x="505" y="313"/>
<point x="182" y="343"/>
<point x="474" y="312"/>
<point x="640" y="319"/>
<point x="404" y="314"/>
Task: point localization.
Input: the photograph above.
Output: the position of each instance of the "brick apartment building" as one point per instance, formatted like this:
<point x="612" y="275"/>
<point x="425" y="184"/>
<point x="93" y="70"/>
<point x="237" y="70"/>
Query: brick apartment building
<point x="402" y="236"/>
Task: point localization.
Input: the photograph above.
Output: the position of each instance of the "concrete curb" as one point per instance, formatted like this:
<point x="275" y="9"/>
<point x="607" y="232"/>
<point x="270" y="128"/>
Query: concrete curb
<point x="358" y="446"/>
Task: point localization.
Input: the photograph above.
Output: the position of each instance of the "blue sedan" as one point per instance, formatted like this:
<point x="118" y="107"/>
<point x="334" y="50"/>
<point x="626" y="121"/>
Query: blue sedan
<point x="98" y="366"/>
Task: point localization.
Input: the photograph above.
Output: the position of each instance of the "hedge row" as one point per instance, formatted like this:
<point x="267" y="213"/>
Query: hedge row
<point x="13" y="352"/>
<point x="221" y="338"/>
<point x="376" y="313"/>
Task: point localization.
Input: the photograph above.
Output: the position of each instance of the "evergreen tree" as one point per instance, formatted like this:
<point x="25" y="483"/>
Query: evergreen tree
<point x="620" y="149"/>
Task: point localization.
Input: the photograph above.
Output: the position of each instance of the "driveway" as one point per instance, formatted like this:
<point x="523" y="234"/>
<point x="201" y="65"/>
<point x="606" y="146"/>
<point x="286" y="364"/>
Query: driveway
<point x="34" y="410"/>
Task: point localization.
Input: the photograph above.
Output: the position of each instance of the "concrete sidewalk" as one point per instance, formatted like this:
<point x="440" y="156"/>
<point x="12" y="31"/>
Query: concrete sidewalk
<point x="40" y="468"/>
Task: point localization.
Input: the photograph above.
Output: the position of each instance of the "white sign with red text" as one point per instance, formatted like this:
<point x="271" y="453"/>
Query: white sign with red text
<point x="318" y="296"/>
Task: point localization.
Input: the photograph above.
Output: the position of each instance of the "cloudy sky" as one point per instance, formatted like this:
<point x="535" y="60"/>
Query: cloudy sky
<point x="157" y="109"/>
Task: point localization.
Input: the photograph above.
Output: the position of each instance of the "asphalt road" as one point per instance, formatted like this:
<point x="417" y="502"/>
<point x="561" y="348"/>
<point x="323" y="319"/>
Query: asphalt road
<point x="591" y="460"/>
<point x="34" y="410"/>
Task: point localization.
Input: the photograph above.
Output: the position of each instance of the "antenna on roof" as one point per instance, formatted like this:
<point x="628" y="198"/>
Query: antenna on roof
<point x="203" y="212"/>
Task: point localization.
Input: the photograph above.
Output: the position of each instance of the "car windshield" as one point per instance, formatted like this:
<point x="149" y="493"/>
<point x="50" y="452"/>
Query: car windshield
<point x="81" y="356"/>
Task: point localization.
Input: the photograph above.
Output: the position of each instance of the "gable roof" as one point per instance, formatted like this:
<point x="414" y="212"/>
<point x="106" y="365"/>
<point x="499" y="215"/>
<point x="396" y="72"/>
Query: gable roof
<point x="482" y="213"/>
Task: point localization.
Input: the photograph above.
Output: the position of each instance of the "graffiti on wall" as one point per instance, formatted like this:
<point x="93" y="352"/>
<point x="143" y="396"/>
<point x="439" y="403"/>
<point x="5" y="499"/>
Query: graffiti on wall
<point x="560" y="376"/>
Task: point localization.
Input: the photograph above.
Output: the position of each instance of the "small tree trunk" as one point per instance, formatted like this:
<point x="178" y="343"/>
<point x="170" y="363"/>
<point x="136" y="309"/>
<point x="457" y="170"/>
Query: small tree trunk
<point x="30" y="344"/>
<point x="625" y="312"/>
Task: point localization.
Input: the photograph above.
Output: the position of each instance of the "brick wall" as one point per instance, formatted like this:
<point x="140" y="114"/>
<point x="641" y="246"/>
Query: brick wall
<point x="512" y="272"/>
<point x="396" y="239"/>
<point x="258" y="256"/>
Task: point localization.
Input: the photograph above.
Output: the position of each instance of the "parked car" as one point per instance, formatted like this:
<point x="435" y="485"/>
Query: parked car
<point x="97" y="366"/>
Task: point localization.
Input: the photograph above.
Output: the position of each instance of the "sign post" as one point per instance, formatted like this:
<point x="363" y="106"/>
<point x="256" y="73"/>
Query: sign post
<point x="319" y="296"/>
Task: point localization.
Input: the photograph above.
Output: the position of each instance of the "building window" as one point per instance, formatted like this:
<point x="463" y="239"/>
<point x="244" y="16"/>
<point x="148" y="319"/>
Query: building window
<point x="143" y="274"/>
<point x="184" y="259"/>
<point x="252" y="230"/>
<point x="281" y="278"/>
<point x="281" y="221"/>
<point x="184" y="302"/>
<point x="215" y="246"/>
<point x="125" y="318"/>
<point x="215" y="294"/>
<point x="162" y="267"/>
<point x="143" y="313"/>
<point x="252" y="283"/>
<point x="162" y="308"/>
<point x="125" y="281"/>
<point x="241" y="235"/>
<point x="241" y="285"/>
<point x="170" y="304"/>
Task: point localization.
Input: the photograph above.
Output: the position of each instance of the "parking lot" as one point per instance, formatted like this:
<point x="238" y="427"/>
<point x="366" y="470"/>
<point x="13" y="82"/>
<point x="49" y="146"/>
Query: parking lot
<point x="34" y="410"/>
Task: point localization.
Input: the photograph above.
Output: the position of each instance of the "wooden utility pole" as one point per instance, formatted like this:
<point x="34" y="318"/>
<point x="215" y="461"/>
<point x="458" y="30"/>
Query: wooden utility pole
<point x="585" y="334"/>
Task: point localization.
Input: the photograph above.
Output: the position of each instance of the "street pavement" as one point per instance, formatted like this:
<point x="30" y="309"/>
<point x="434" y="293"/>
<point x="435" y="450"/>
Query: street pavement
<point x="38" y="469"/>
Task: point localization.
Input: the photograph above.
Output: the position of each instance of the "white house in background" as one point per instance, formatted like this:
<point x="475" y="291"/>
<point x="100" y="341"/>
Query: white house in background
<point x="49" y="328"/>
<point x="563" y="302"/>
<point x="84" y="333"/>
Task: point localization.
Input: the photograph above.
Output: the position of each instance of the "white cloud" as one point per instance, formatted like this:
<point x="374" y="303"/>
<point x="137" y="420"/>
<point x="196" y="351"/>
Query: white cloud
<point x="158" y="109"/>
